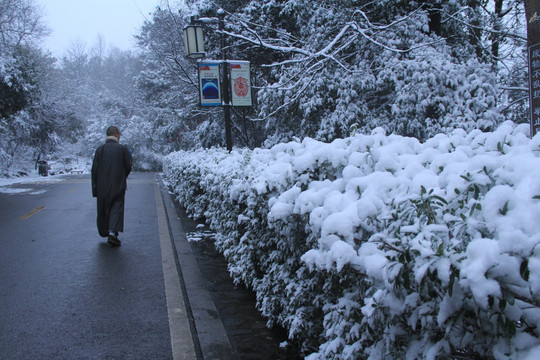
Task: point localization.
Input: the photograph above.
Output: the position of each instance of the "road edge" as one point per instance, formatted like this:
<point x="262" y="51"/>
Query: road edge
<point x="210" y="333"/>
<point x="182" y="344"/>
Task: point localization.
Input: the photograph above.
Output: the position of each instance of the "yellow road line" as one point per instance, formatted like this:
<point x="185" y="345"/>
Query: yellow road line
<point x="31" y="213"/>
<point x="73" y="190"/>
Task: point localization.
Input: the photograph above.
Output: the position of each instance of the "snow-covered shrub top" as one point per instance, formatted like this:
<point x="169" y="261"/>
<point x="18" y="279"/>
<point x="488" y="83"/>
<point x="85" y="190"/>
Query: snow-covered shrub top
<point x="387" y="247"/>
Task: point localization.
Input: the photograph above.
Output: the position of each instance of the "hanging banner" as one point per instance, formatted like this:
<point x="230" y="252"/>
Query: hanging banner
<point x="532" y="12"/>
<point x="534" y="87"/>
<point x="240" y="83"/>
<point x="209" y="88"/>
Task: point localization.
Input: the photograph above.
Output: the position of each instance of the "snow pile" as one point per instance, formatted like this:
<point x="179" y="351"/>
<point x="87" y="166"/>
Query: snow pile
<point x="379" y="246"/>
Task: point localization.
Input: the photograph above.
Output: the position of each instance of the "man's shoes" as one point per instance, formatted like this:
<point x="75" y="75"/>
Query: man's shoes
<point x="113" y="241"/>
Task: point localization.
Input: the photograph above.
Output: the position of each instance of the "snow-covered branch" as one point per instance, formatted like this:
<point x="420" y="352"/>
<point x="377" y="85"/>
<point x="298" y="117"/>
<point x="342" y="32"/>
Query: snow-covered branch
<point x="492" y="31"/>
<point x="514" y="88"/>
<point x="296" y="95"/>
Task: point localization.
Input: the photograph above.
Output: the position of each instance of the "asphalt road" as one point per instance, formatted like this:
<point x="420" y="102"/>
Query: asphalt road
<point x="65" y="293"/>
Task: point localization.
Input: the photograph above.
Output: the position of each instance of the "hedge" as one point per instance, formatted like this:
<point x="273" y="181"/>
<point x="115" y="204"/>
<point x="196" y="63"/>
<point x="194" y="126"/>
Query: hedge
<point x="379" y="246"/>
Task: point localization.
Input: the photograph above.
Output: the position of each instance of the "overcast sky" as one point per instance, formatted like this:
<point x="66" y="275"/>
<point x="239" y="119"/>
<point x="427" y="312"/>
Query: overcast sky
<point x="83" y="20"/>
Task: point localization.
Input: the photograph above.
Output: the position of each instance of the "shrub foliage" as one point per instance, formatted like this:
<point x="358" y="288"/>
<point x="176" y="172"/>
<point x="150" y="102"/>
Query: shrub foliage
<point x="380" y="246"/>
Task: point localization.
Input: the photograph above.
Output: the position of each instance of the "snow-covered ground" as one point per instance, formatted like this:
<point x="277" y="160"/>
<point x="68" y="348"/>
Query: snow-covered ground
<point x="56" y="170"/>
<point x="32" y="177"/>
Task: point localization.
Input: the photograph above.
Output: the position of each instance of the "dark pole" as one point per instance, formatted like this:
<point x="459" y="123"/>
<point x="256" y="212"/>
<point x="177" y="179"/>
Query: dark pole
<point x="532" y="12"/>
<point x="226" y="88"/>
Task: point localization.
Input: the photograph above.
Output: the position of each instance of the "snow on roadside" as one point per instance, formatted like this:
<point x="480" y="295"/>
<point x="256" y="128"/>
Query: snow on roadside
<point x="34" y="177"/>
<point x="56" y="170"/>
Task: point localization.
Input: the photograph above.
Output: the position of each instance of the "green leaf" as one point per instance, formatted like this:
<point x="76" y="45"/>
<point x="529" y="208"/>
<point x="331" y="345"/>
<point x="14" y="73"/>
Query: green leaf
<point x="502" y="304"/>
<point x="370" y="330"/>
<point x="441" y="199"/>
<point x="440" y="250"/>
<point x="524" y="269"/>
<point x="476" y="192"/>
<point x="510" y="327"/>
<point x="504" y="210"/>
<point x="453" y="276"/>
<point x="406" y="280"/>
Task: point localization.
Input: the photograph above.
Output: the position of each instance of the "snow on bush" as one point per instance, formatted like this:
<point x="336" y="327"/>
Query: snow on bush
<point x="379" y="246"/>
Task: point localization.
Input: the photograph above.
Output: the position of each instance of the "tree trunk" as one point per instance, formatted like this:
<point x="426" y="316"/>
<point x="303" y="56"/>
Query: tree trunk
<point x="496" y="37"/>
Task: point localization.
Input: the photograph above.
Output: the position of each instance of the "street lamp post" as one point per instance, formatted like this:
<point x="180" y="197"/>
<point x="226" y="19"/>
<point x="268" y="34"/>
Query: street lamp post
<point x="226" y="88"/>
<point x="194" y="45"/>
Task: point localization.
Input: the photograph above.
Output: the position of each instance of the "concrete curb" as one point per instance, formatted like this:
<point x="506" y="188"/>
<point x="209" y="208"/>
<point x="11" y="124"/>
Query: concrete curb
<point x="209" y="333"/>
<point x="182" y="342"/>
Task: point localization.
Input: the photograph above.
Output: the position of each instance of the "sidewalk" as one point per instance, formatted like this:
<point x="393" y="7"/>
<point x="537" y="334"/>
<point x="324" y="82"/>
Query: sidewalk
<point x="196" y="313"/>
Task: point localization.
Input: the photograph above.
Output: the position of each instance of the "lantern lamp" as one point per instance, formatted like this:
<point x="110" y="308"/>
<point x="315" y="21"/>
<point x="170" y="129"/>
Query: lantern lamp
<point x="194" y="41"/>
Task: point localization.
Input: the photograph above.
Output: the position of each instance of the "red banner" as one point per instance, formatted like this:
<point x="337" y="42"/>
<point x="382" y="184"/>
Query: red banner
<point x="240" y="83"/>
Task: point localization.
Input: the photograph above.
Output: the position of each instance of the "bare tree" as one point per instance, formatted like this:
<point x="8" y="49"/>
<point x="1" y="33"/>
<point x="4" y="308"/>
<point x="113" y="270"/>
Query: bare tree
<point x="20" y="23"/>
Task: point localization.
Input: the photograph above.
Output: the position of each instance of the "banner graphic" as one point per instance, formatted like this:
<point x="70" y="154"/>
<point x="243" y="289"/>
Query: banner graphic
<point x="240" y="83"/>
<point x="209" y="86"/>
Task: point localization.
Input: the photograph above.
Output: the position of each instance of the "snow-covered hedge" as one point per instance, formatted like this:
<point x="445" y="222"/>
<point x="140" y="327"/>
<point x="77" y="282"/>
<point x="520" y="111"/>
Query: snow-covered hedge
<point x="379" y="246"/>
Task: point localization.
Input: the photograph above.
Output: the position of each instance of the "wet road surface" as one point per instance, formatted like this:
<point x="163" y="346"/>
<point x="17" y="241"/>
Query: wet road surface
<point x="64" y="293"/>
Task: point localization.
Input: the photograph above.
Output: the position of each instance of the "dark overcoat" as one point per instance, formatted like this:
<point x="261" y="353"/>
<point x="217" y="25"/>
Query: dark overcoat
<point x="110" y="168"/>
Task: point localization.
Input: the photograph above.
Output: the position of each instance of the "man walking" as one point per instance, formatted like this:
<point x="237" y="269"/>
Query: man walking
<point x="110" y="168"/>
